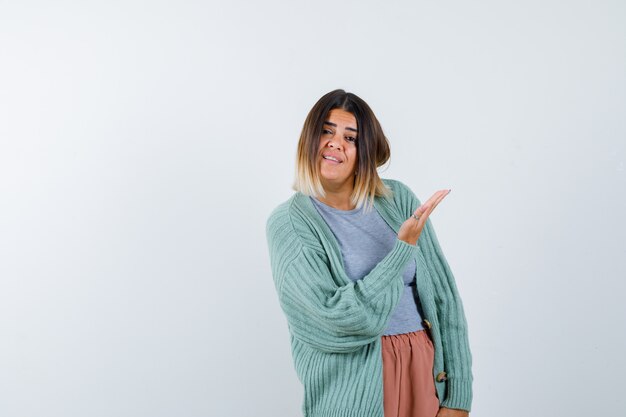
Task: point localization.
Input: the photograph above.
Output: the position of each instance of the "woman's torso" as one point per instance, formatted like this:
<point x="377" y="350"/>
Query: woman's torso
<point x="365" y="239"/>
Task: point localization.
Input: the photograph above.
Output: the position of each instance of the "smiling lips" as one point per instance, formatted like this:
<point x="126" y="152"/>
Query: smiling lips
<point x="332" y="159"/>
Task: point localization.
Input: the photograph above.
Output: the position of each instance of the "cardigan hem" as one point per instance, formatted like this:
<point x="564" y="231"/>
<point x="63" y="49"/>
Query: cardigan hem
<point x="343" y="412"/>
<point x="459" y="394"/>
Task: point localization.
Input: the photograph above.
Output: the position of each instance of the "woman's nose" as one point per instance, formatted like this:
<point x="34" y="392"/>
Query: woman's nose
<point x="336" y="142"/>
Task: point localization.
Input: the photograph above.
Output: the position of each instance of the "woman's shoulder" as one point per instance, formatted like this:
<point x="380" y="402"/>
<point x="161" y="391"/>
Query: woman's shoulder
<point x="280" y="211"/>
<point x="287" y="226"/>
<point x="287" y="212"/>
<point x="279" y="219"/>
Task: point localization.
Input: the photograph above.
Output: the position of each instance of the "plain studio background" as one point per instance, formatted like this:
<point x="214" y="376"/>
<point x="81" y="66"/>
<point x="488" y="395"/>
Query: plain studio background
<point x="144" y="144"/>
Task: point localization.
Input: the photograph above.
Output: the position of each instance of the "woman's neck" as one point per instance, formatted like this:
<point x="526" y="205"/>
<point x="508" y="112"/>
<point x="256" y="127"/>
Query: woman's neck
<point x="338" y="199"/>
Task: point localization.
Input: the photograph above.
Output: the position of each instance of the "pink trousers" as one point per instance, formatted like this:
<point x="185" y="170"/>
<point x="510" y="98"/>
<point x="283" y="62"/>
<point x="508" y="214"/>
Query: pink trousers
<point x="408" y="383"/>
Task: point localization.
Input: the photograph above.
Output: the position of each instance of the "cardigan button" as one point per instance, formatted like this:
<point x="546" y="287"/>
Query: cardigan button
<point x="426" y="324"/>
<point x="441" y="376"/>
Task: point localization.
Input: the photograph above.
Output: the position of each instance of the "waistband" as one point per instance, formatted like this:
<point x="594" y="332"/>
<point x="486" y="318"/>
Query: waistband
<point x="397" y="341"/>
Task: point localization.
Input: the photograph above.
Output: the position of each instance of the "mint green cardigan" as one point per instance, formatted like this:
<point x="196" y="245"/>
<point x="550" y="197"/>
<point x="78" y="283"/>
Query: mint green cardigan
<point x="336" y="324"/>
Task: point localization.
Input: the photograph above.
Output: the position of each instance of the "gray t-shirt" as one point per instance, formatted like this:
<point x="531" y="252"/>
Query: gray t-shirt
<point x="365" y="239"/>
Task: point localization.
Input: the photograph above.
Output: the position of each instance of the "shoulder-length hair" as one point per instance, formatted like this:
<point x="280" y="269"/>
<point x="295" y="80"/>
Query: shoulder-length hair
<point x="372" y="149"/>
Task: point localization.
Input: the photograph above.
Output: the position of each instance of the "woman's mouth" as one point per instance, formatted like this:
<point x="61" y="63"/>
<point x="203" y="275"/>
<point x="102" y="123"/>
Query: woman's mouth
<point x="331" y="161"/>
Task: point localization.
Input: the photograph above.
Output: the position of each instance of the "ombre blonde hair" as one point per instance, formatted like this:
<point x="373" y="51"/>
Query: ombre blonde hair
<point x="372" y="149"/>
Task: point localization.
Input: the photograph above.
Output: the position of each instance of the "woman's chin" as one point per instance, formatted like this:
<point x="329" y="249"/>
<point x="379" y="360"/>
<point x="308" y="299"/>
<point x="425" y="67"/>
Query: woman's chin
<point x="334" y="178"/>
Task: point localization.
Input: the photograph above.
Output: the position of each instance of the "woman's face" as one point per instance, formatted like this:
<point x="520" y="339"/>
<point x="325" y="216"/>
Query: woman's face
<point x="338" y="139"/>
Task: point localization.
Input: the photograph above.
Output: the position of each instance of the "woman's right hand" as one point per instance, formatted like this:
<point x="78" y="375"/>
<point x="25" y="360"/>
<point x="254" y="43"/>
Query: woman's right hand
<point x="411" y="229"/>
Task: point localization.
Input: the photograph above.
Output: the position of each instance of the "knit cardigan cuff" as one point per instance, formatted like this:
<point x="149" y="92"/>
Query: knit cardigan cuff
<point x="458" y="394"/>
<point x="395" y="260"/>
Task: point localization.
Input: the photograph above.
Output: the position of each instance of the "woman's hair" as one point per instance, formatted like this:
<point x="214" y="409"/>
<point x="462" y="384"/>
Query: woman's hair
<point x="371" y="145"/>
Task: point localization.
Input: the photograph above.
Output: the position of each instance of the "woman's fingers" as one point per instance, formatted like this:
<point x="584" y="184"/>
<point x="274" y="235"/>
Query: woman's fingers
<point x="442" y="194"/>
<point x="435" y="198"/>
<point x="411" y="229"/>
<point x="425" y="209"/>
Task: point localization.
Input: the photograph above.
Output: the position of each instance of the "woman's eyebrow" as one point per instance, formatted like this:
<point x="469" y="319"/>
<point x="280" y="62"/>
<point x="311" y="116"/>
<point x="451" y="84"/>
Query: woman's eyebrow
<point x="334" y="125"/>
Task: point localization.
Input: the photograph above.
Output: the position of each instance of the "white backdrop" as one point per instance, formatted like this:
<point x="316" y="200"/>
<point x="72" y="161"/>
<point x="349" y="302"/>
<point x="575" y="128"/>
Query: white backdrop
<point x="144" y="143"/>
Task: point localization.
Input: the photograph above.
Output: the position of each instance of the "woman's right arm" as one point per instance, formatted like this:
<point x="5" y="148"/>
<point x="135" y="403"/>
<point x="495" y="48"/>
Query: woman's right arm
<point x="321" y="311"/>
<point x="335" y="318"/>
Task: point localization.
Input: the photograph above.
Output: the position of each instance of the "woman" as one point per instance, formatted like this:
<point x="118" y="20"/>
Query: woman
<point x="375" y="320"/>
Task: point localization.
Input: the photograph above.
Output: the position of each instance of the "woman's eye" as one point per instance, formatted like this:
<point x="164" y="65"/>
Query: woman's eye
<point x="330" y="132"/>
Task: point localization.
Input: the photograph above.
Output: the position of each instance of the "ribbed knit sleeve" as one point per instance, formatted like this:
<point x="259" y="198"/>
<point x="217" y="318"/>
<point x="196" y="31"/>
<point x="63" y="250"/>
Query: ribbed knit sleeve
<point x="455" y="341"/>
<point x="341" y="318"/>
<point x="322" y="310"/>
